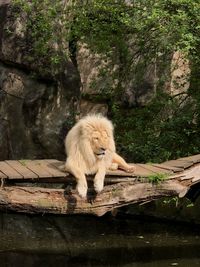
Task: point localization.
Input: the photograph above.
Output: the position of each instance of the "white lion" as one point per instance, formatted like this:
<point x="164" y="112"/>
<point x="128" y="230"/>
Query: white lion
<point x="90" y="149"/>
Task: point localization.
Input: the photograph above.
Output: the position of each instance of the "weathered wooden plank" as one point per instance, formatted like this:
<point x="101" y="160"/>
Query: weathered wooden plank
<point x="2" y="175"/>
<point x="22" y="169"/>
<point x="114" y="180"/>
<point x="120" y="173"/>
<point x="182" y="178"/>
<point x="176" y="176"/>
<point x="141" y="171"/>
<point x="196" y="180"/>
<point x="37" y="169"/>
<point x="191" y="173"/>
<point x="167" y="167"/>
<point x="196" y="174"/>
<point x="194" y="158"/>
<point x="50" y="168"/>
<point x="156" y="169"/>
<point x="10" y="172"/>
<point x="59" y="165"/>
<point x="179" y="163"/>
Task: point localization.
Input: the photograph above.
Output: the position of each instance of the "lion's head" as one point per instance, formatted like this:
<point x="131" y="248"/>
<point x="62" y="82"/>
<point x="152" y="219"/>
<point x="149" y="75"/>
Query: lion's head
<point x="99" y="142"/>
<point x="97" y="134"/>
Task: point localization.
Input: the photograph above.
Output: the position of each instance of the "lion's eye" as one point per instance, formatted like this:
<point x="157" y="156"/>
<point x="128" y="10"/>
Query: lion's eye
<point x="96" y="138"/>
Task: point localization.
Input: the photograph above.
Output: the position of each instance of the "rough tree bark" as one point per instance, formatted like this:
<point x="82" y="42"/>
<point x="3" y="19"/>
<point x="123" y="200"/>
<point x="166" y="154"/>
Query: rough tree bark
<point x="58" y="201"/>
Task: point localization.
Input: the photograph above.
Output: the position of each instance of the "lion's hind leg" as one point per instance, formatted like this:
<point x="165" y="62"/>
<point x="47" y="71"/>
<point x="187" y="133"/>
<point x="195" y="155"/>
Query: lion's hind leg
<point x="80" y="179"/>
<point x="122" y="163"/>
<point x="114" y="166"/>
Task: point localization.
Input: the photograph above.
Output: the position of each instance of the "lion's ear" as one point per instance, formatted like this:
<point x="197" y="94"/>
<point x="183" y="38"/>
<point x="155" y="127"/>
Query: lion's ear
<point x="81" y="130"/>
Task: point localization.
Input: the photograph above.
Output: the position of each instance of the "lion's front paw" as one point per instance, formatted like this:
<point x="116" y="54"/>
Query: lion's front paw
<point x="98" y="186"/>
<point x="130" y="169"/>
<point x="82" y="190"/>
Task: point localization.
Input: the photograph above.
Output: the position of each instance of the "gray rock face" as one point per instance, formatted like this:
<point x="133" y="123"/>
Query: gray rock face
<point x="38" y="105"/>
<point x="4" y="144"/>
<point x="99" y="77"/>
<point x="36" y="115"/>
<point x="35" y="112"/>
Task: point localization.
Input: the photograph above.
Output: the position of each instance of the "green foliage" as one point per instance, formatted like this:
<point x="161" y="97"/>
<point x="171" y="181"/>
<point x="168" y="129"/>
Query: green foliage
<point x="157" y="178"/>
<point x="144" y="30"/>
<point x="109" y="27"/>
<point x="177" y="202"/>
<point x="162" y="130"/>
<point x="171" y="200"/>
<point x="131" y="36"/>
<point x="190" y="205"/>
<point x="106" y="24"/>
<point x="45" y="35"/>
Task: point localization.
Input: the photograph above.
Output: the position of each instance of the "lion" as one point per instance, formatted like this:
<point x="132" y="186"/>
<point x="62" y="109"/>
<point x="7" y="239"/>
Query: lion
<point x="90" y="149"/>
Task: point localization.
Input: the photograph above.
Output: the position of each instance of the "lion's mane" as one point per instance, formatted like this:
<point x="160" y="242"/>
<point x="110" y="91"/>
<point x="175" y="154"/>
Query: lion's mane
<point x="78" y="143"/>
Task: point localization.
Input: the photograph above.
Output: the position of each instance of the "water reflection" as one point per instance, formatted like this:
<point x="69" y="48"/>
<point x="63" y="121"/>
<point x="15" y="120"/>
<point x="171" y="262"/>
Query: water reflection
<point x="89" y="241"/>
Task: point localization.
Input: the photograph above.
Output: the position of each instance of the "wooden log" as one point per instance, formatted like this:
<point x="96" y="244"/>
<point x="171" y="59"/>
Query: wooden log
<point x="58" y="201"/>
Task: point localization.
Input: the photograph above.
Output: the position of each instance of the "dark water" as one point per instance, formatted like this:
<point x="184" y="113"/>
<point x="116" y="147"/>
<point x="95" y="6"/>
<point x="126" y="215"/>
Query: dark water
<point x="88" y="241"/>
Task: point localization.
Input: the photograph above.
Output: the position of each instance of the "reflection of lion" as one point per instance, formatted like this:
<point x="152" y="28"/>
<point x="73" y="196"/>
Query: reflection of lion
<point x="90" y="149"/>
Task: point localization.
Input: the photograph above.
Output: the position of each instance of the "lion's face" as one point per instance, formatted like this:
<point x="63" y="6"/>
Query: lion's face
<point x="99" y="143"/>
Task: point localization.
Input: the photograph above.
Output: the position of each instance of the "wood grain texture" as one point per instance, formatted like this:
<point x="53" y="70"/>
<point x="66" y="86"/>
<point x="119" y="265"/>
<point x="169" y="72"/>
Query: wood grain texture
<point x="50" y="168"/>
<point x="36" y="167"/>
<point x="183" y="164"/>
<point x="9" y="171"/>
<point x="22" y="169"/>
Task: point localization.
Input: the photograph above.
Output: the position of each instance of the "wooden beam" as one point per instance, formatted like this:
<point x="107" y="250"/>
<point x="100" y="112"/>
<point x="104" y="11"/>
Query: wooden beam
<point x="58" y="201"/>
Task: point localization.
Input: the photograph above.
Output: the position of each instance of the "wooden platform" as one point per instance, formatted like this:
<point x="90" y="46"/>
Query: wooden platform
<point x="52" y="170"/>
<point x="30" y="169"/>
<point x="23" y="189"/>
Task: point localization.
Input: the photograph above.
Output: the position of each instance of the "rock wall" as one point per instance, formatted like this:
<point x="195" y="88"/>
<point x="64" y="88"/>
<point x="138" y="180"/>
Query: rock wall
<point x="38" y="107"/>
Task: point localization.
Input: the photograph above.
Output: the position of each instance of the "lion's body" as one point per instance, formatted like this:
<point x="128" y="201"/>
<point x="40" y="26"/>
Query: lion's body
<point x="90" y="149"/>
<point x="78" y="143"/>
